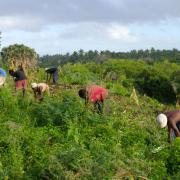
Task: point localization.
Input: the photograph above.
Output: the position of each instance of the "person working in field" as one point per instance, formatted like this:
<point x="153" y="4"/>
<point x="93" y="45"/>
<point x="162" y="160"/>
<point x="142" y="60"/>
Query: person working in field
<point x="19" y="78"/>
<point x="172" y="120"/>
<point x="96" y="95"/>
<point x="39" y="89"/>
<point x="52" y="72"/>
<point x="2" y="76"/>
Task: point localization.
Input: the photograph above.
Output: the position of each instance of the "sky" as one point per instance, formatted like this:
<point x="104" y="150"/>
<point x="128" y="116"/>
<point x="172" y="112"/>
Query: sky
<point x="61" y="26"/>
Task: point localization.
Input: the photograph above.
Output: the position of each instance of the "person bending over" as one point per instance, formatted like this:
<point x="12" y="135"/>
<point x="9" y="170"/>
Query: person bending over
<point x="39" y="89"/>
<point x="52" y="72"/>
<point x="94" y="94"/>
<point x="172" y="120"/>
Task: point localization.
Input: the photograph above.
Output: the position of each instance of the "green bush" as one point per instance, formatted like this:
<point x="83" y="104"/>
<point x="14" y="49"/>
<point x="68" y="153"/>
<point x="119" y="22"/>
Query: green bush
<point x="117" y="89"/>
<point x="173" y="161"/>
<point x="155" y="85"/>
<point x="55" y="111"/>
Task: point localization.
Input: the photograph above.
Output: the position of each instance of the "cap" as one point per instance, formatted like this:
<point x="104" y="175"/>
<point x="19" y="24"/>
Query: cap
<point x="34" y="85"/>
<point x="162" y="120"/>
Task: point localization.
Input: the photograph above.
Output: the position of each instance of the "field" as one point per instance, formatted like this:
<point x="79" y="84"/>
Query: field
<point x="61" y="139"/>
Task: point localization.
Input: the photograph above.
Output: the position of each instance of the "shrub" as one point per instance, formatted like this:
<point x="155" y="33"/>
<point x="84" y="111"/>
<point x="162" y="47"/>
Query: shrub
<point x="156" y="86"/>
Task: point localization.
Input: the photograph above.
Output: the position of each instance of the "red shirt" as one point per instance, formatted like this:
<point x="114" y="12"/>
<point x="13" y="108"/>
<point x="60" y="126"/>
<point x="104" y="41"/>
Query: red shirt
<point x="96" y="93"/>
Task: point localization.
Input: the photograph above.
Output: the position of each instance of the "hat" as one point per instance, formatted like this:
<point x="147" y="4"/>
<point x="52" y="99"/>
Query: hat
<point x="34" y="85"/>
<point x="162" y="120"/>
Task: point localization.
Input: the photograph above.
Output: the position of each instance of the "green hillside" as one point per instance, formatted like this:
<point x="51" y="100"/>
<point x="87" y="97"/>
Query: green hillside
<point x="61" y="139"/>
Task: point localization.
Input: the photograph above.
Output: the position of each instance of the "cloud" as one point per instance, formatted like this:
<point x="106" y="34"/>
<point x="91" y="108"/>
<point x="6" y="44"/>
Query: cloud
<point x="65" y="25"/>
<point x="8" y="23"/>
<point x="83" y="30"/>
<point x="122" y="33"/>
<point x="98" y="32"/>
<point x="37" y="14"/>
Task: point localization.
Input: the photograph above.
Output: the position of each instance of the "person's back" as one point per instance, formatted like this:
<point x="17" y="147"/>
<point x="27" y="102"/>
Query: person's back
<point x="51" y="70"/>
<point x="19" y="75"/>
<point x="173" y="118"/>
<point x="96" y="93"/>
<point x="44" y="87"/>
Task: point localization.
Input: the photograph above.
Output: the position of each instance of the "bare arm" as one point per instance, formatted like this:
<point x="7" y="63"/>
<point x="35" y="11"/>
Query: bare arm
<point x="40" y="91"/>
<point x="86" y="101"/>
<point x="87" y="98"/>
<point x="34" y="93"/>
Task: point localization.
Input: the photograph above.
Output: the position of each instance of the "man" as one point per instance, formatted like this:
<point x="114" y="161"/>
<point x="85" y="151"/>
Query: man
<point x="96" y="95"/>
<point x="2" y="76"/>
<point x="39" y="89"/>
<point x="172" y="120"/>
<point x="19" y="78"/>
<point x="52" y="72"/>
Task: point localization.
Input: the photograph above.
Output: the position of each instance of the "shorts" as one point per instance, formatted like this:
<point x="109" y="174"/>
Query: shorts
<point x="21" y="84"/>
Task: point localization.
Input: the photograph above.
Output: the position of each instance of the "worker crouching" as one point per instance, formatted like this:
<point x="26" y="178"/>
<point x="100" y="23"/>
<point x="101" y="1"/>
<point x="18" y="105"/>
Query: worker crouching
<point x="39" y="89"/>
<point x="172" y="120"/>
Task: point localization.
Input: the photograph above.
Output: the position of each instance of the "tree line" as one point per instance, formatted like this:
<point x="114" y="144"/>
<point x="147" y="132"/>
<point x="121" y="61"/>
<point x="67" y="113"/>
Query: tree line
<point x="20" y="52"/>
<point x="149" y="56"/>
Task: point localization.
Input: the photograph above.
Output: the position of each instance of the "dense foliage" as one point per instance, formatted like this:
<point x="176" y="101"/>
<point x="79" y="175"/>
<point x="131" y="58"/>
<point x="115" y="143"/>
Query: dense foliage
<point x="19" y="54"/>
<point x="61" y="139"/>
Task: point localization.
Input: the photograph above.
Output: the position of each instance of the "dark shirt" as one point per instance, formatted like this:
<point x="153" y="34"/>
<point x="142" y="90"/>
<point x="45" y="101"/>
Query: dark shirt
<point x="52" y="70"/>
<point x="19" y="75"/>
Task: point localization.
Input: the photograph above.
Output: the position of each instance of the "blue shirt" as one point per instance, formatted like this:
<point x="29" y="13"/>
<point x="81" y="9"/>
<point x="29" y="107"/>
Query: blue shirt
<point x="2" y="72"/>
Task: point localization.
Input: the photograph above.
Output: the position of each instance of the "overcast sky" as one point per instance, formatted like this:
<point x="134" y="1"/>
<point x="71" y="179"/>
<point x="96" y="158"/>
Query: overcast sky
<point x="60" y="26"/>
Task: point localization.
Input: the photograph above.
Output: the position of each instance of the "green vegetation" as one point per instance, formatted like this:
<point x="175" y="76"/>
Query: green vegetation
<point x="60" y="139"/>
